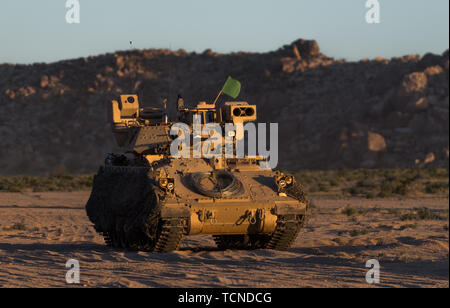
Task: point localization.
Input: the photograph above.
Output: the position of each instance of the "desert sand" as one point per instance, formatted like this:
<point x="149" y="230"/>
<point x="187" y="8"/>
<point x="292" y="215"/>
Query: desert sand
<point x="326" y="254"/>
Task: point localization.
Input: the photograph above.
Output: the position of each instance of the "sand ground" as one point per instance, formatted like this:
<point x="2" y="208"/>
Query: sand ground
<point x="326" y="254"/>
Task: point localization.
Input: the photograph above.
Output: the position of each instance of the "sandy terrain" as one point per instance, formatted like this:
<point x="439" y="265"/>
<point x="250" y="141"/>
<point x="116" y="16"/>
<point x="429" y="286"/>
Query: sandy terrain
<point x="324" y="255"/>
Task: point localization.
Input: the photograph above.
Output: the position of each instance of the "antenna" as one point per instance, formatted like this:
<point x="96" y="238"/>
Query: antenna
<point x="131" y="80"/>
<point x="166" y="119"/>
<point x="170" y="74"/>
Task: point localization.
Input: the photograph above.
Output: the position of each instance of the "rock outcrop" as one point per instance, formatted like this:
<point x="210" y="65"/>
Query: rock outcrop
<point x="331" y="113"/>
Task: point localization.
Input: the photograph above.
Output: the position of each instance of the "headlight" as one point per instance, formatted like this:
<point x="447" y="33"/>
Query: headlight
<point x="289" y="179"/>
<point x="163" y="182"/>
<point x="167" y="184"/>
<point x="283" y="181"/>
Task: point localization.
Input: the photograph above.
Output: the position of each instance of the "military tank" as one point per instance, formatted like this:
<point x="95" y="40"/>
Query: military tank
<point x="146" y="199"/>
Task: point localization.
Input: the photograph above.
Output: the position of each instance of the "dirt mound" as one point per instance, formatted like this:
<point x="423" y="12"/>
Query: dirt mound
<point x="331" y="113"/>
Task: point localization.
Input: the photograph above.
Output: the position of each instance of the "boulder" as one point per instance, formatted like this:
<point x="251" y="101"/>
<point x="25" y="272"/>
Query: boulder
<point x="433" y="70"/>
<point x="413" y="83"/>
<point x="300" y="49"/>
<point x="429" y="159"/>
<point x="44" y="81"/>
<point x="376" y="142"/>
<point x="307" y="48"/>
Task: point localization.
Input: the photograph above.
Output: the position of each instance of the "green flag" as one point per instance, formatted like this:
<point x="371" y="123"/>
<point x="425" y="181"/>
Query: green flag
<point x="232" y="87"/>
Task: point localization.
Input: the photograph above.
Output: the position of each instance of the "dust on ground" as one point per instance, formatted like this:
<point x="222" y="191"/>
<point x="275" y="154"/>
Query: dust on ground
<point x="39" y="232"/>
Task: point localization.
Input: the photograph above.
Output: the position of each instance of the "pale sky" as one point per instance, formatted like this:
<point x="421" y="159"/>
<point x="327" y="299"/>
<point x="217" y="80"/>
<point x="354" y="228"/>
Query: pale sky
<point x="36" y="31"/>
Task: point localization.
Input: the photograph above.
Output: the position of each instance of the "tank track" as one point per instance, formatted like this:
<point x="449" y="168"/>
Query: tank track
<point x="171" y="235"/>
<point x="286" y="231"/>
<point x="284" y="235"/>
<point x="288" y="226"/>
<point x="168" y="239"/>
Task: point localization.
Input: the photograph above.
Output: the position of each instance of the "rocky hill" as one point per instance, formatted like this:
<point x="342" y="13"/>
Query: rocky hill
<point x="331" y="113"/>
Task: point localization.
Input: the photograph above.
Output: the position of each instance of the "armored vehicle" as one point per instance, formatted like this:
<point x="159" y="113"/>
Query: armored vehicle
<point x="147" y="199"/>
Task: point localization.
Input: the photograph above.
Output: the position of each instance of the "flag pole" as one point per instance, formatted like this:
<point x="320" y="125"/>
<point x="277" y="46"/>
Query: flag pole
<point x="220" y="93"/>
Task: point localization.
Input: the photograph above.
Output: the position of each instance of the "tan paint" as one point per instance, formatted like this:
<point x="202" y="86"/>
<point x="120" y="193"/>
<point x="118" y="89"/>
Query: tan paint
<point x="227" y="218"/>
<point x="253" y="211"/>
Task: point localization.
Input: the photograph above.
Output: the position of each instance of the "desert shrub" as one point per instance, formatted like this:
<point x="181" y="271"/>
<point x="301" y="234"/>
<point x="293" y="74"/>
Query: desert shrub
<point x="435" y="187"/>
<point x="422" y="213"/>
<point x="349" y="211"/>
<point x="62" y="182"/>
<point x="355" y="190"/>
<point x="358" y="232"/>
<point x="334" y="182"/>
<point x="436" y="173"/>
<point x="323" y="186"/>
<point x="393" y="187"/>
<point x="381" y="183"/>
<point x="371" y="195"/>
<point x="366" y="183"/>
<point x="409" y="226"/>
<point x="367" y="210"/>
<point x="393" y="211"/>
<point x="401" y="189"/>
<point x="19" y="226"/>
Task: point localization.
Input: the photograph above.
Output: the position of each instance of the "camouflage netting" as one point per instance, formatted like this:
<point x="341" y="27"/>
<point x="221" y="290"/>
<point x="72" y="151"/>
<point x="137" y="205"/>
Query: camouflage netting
<point x="125" y="207"/>
<point x="296" y="191"/>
